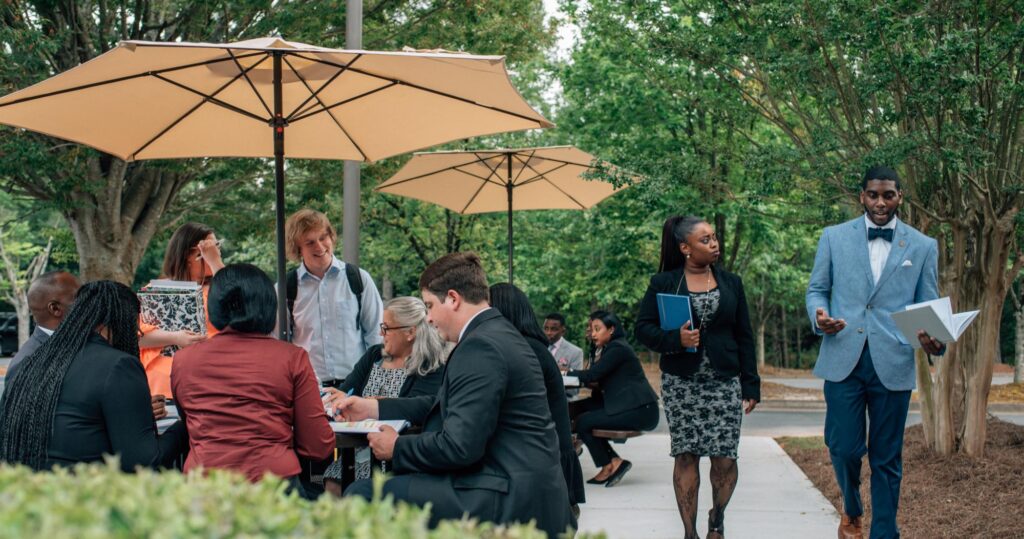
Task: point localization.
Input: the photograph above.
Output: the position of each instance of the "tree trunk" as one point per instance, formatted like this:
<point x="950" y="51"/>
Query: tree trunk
<point x="976" y="278"/>
<point x="785" y="338"/>
<point x="1018" y="348"/>
<point x="796" y="346"/>
<point x="760" y="343"/>
<point x="926" y="396"/>
<point x="114" y="223"/>
<point x="18" y="294"/>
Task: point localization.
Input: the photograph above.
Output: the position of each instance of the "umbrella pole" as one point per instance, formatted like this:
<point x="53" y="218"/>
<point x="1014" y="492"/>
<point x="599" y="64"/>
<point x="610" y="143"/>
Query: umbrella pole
<point x="284" y="321"/>
<point x="508" y="189"/>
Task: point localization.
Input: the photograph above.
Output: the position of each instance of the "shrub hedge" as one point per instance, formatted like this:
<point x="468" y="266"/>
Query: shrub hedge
<point x="98" y="501"/>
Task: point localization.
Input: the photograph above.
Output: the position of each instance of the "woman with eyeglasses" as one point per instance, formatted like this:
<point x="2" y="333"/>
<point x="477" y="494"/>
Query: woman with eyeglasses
<point x="193" y="254"/>
<point x="406" y="364"/>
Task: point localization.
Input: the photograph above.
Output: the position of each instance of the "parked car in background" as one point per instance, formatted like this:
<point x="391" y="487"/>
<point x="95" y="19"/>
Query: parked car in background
<point x="8" y="333"/>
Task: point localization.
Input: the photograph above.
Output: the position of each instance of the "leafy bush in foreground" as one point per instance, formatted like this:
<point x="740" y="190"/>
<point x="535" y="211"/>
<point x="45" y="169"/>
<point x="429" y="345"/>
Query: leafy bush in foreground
<point x="98" y="501"/>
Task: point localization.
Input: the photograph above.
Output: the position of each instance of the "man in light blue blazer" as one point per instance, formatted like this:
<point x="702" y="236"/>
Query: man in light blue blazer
<point x="865" y="270"/>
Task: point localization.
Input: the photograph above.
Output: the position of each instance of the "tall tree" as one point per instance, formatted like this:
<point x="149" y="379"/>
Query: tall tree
<point x="936" y="88"/>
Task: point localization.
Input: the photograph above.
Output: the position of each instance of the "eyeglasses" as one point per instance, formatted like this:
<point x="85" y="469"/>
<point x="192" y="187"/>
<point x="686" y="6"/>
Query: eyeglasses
<point x="384" y="329"/>
<point x="218" y="243"/>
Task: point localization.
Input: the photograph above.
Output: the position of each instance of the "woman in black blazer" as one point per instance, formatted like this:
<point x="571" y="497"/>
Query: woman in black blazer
<point x="515" y="306"/>
<point x="705" y="392"/>
<point x="83" y="394"/>
<point x="623" y="400"/>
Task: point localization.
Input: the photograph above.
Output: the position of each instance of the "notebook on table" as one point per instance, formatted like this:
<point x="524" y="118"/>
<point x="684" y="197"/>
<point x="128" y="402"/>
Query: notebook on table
<point x="367" y="426"/>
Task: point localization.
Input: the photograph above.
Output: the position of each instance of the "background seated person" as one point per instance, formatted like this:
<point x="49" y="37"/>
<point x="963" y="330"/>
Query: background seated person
<point x="251" y="402"/>
<point x="83" y="394"/>
<point x="407" y="364"/>
<point x="623" y="400"/>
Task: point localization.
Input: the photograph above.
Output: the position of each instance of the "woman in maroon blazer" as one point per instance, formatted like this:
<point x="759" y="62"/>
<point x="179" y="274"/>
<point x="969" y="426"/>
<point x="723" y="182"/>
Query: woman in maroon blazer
<point x="250" y="401"/>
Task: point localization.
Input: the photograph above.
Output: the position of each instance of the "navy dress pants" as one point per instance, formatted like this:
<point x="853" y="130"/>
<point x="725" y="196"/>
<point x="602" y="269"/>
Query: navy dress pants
<point x="848" y="438"/>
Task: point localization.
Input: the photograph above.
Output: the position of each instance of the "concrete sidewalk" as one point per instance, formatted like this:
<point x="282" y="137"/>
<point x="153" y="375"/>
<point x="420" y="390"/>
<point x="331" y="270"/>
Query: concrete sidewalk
<point x="773" y="499"/>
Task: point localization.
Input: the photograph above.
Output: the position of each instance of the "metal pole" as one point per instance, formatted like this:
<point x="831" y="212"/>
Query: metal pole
<point x="350" y="184"/>
<point x="284" y="320"/>
<point x="508" y="189"/>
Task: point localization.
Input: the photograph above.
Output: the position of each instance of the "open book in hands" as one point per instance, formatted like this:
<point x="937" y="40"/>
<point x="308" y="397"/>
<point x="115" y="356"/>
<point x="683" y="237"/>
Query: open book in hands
<point x="936" y="318"/>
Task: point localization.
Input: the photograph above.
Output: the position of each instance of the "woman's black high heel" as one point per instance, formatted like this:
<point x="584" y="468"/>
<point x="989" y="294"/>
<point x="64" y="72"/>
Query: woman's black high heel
<point x="716" y="524"/>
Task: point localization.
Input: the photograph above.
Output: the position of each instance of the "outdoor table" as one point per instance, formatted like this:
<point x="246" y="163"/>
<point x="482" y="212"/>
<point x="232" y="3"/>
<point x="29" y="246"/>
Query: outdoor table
<point x="347" y="444"/>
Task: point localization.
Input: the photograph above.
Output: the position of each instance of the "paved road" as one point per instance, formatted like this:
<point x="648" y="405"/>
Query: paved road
<point x="818" y="383"/>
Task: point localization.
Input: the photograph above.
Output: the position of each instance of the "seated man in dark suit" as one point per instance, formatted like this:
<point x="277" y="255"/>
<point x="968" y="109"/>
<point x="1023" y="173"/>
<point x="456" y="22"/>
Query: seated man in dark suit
<point x="49" y="298"/>
<point x="488" y="447"/>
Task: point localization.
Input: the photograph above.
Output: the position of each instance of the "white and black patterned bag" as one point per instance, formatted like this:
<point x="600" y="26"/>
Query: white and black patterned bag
<point x="173" y="309"/>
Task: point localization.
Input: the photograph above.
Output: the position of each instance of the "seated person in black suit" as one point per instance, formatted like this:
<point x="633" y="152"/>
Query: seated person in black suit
<point x="84" y="394"/>
<point x="489" y="447"/>
<point x="623" y="400"/>
<point x="408" y="363"/>
<point x="515" y="306"/>
<point x="49" y="297"/>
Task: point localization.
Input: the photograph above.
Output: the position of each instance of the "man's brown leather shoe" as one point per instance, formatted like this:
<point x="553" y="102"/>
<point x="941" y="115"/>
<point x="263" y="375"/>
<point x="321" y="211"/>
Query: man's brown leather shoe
<point x="850" y="528"/>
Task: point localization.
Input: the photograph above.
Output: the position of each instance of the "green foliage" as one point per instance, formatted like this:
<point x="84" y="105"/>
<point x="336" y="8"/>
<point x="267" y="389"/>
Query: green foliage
<point x="98" y="501"/>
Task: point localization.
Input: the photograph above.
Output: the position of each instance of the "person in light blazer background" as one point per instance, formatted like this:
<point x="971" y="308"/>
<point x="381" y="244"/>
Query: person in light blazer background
<point x="866" y="269"/>
<point x="706" y="392"/>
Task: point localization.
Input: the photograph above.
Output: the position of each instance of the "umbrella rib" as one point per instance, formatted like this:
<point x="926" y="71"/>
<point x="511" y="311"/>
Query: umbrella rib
<point x="245" y="73"/>
<point x="525" y="165"/>
<point x="164" y="131"/>
<point x="340" y="103"/>
<point x="538" y="176"/>
<point x="313" y="95"/>
<point x="482" y="184"/>
<point x="395" y="80"/>
<point x="431" y="173"/>
<point x="212" y="99"/>
<point x="545" y="178"/>
<point x="121" y="79"/>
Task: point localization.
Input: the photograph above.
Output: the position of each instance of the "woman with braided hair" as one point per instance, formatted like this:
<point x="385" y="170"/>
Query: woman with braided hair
<point x="83" y="394"/>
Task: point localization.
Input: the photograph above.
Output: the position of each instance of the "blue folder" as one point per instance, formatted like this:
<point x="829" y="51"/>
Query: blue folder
<point x="674" y="312"/>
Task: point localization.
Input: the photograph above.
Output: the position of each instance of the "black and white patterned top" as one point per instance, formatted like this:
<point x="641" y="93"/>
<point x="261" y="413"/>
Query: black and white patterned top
<point x="705" y="305"/>
<point x="384" y="382"/>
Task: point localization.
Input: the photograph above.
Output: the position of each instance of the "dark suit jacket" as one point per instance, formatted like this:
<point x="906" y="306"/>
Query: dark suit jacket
<point x="728" y="337"/>
<point x="413" y="386"/>
<point x="104" y="408"/>
<point x="489" y="432"/>
<point x="624" y="385"/>
<point x="33" y="343"/>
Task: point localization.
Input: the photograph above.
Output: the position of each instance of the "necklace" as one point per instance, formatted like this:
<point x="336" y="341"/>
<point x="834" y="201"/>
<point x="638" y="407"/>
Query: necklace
<point x="705" y="307"/>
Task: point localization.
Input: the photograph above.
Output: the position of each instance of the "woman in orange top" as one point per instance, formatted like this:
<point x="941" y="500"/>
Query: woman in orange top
<point x="193" y="254"/>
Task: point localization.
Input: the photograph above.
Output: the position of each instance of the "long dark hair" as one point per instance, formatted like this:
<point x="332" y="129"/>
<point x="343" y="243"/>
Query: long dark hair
<point x="182" y="241"/>
<point x="515" y="306"/>
<point x="673" y="232"/>
<point x="30" y="400"/>
<point x="242" y="297"/>
<point x="610" y="320"/>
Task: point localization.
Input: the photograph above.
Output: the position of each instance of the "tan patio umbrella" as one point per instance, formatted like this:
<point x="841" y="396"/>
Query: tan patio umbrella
<point x="153" y="100"/>
<point x="481" y="181"/>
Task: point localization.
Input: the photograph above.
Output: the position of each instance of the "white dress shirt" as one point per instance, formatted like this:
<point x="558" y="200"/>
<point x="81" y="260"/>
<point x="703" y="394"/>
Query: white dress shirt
<point x="470" y="321"/>
<point x="878" y="249"/>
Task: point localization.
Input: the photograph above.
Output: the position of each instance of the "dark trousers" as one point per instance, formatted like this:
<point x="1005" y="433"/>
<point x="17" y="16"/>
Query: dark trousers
<point x="595" y="417"/>
<point x="845" y="432"/>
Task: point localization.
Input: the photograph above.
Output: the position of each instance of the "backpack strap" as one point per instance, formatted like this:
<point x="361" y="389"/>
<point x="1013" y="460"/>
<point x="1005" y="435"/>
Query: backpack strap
<point x="291" y="292"/>
<point x="355" y="284"/>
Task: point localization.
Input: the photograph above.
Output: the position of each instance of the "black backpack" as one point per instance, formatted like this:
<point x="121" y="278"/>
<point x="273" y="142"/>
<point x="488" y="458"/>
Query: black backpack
<point x="355" y="284"/>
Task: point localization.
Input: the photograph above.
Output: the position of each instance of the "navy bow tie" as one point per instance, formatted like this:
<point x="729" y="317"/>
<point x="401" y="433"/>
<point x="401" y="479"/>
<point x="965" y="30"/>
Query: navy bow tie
<point x="884" y="233"/>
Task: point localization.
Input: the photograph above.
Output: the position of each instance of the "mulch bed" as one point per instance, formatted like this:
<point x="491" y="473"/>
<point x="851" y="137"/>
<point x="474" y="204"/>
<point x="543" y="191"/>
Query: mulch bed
<point x="941" y="496"/>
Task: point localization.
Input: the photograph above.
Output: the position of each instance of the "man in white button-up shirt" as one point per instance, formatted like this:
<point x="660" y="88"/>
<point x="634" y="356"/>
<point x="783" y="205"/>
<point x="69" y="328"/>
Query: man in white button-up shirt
<point x="865" y="270"/>
<point x="333" y="327"/>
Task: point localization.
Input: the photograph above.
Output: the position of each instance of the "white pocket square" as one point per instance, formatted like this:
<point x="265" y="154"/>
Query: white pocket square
<point x="906" y="264"/>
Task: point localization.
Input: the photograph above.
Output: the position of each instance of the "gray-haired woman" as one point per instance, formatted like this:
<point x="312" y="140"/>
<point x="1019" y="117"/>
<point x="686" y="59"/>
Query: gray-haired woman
<point x="406" y="364"/>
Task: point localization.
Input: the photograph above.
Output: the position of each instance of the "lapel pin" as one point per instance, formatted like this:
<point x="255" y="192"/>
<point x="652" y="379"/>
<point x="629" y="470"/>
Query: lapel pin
<point x="903" y="243"/>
